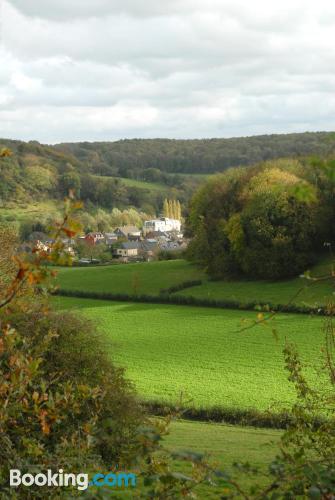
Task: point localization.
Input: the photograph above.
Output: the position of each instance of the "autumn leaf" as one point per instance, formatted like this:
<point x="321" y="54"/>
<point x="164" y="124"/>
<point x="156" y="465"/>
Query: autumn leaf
<point x="44" y="424"/>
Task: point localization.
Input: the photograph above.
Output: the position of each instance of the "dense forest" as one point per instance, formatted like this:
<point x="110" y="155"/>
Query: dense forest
<point x="98" y="171"/>
<point x="129" y="157"/>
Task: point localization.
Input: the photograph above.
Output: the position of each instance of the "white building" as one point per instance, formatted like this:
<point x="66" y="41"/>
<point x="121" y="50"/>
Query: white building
<point x="164" y="225"/>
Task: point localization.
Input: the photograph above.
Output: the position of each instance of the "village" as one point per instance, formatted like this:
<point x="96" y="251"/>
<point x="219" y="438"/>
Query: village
<point x="160" y="238"/>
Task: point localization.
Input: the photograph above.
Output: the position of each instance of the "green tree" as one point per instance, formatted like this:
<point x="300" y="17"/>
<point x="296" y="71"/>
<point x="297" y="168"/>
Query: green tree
<point x="254" y="224"/>
<point x="70" y="181"/>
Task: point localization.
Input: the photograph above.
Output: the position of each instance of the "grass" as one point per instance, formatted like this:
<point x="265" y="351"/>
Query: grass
<point x="150" y="278"/>
<point x="224" y="445"/>
<point x="281" y="292"/>
<point x="23" y="211"/>
<point x="152" y="186"/>
<point x="140" y="278"/>
<point x="202" y="353"/>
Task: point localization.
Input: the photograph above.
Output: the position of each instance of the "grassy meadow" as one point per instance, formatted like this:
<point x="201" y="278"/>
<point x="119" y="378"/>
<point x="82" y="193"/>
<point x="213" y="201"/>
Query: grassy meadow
<point x="202" y="353"/>
<point x="310" y="294"/>
<point x="151" y="186"/>
<point x="150" y="278"/>
<point x="224" y="445"/>
<point x="202" y="357"/>
<point x="146" y="278"/>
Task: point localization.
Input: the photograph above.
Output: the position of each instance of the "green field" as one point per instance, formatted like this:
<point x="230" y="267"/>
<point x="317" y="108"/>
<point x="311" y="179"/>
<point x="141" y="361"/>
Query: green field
<point x="146" y="278"/>
<point x="151" y="186"/>
<point x="149" y="278"/>
<point x="311" y="294"/>
<point x="224" y="445"/>
<point x="202" y="353"/>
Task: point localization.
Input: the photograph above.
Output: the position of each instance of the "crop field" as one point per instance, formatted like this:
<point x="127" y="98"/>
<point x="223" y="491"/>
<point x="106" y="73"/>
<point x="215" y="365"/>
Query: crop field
<point x="149" y="278"/>
<point x="202" y="353"/>
<point x="129" y="278"/>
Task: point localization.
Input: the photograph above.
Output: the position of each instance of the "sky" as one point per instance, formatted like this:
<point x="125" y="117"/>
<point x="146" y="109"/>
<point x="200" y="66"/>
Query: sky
<point x="84" y="70"/>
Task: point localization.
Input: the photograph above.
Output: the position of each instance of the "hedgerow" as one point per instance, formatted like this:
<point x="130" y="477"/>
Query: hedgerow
<point x="234" y="416"/>
<point x="165" y="298"/>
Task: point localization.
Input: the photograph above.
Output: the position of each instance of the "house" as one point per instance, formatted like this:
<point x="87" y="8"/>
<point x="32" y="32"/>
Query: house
<point x="128" y="232"/>
<point x="126" y="250"/>
<point x="148" y="249"/>
<point x="110" y="238"/>
<point x="173" y="246"/>
<point x="94" y="238"/>
<point x="163" y="224"/>
<point x="158" y="236"/>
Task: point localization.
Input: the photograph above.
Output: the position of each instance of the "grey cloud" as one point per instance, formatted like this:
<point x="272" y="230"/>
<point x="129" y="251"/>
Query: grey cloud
<point x="61" y="10"/>
<point x="183" y="68"/>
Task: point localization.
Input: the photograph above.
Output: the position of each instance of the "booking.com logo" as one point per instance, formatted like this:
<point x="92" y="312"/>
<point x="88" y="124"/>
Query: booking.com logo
<point x="80" y="481"/>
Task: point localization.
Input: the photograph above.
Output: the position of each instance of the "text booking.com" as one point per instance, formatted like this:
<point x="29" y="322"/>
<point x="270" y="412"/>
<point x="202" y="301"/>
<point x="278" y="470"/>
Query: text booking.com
<point x="80" y="481"/>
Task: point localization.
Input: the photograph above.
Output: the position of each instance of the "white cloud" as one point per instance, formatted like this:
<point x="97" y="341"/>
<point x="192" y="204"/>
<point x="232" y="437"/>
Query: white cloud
<point x="106" y="69"/>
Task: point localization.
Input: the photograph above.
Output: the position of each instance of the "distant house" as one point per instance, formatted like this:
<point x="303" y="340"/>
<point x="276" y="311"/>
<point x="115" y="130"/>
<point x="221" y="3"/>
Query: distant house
<point x="148" y="249"/>
<point x="110" y="238"/>
<point x="94" y="238"/>
<point x="163" y="224"/>
<point x="173" y="246"/>
<point x="126" y="250"/>
<point x="158" y="236"/>
<point x="128" y="232"/>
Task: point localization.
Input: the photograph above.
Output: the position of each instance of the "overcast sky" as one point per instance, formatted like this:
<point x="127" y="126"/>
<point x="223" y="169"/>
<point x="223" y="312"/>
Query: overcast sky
<point x="108" y="69"/>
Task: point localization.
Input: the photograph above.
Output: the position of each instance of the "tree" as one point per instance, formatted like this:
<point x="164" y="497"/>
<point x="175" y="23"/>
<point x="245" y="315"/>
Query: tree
<point x="70" y="181"/>
<point x="255" y="225"/>
<point x="166" y="208"/>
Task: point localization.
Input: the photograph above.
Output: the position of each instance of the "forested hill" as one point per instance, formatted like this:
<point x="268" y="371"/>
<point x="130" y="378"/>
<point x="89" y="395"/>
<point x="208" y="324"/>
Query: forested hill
<point x="127" y="157"/>
<point x="138" y="172"/>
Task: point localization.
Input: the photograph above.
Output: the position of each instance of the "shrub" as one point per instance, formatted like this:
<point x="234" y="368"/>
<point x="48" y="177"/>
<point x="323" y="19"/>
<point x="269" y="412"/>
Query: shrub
<point x="62" y="401"/>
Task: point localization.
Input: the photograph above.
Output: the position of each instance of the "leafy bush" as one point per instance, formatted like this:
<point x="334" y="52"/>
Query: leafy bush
<point x="59" y="391"/>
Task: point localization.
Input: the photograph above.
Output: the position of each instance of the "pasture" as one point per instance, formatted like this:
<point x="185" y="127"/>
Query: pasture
<point x="150" y="278"/>
<point x="202" y="353"/>
<point x="304" y="292"/>
<point x="142" y="278"/>
<point x="156" y="187"/>
<point x="224" y="445"/>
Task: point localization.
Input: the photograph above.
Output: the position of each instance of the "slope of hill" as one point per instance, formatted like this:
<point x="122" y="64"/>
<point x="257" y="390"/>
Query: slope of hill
<point x="37" y="173"/>
<point x="127" y="157"/>
<point x="153" y="169"/>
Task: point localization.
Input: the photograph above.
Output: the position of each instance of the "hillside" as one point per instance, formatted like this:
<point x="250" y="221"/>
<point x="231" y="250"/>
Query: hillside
<point x="36" y="173"/>
<point x="128" y="157"/>
<point x="138" y="173"/>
